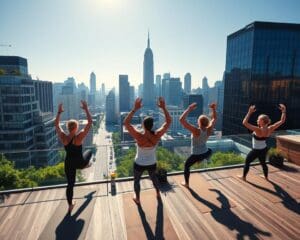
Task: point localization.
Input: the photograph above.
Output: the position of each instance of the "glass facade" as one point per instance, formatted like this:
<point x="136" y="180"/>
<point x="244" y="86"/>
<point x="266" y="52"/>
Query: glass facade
<point x="262" y="68"/>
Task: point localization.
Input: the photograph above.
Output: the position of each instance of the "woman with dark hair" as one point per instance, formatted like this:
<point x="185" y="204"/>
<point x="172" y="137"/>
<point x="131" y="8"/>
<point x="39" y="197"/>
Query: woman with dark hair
<point x="260" y="133"/>
<point x="73" y="145"/>
<point x="147" y="141"/>
<point x="199" y="138"/>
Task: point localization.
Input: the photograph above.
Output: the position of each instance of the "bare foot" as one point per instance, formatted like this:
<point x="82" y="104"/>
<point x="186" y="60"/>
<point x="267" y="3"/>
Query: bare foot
<point x="185" y="185"/>
<point x="71" y="206"/>
<point x="242" y="177"/>
<point x="136" y="200"/>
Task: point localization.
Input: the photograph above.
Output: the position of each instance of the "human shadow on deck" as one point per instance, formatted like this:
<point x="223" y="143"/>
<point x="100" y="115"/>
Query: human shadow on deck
<point x="159" y="228"/>
<point x="225" y="216"/>
<point x="287" y="200"/>
<point x="70" y="227"/>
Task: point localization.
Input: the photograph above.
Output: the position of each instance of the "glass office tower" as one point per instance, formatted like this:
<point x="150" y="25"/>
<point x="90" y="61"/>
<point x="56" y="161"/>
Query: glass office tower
<point x="262" y="68"/>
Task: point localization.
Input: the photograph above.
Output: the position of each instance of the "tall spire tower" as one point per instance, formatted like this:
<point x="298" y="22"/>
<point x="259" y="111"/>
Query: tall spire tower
<point x="148" y="77"/>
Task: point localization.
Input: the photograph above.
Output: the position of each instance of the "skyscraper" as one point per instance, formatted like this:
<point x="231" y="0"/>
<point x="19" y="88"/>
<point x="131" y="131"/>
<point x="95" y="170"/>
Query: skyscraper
<point x="148" y="78"/>
<point x="110" y="107"/>
<point x="92" y="95"/>
<point x="131" y="96"/>
<point x="44" y="94"/>
<point x="173" y="91"/>
<point x="262" y="68"/>
<point x="205" y="83"/>
<point x="92" y="83"/>
<point x="158" y="85"/>
<point x="187" y="83"/>
<point x="124" y="93"/>
<point x="23" y="126"/>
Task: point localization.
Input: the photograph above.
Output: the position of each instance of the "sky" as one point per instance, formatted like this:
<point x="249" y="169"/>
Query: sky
<point x="72" y="38"/>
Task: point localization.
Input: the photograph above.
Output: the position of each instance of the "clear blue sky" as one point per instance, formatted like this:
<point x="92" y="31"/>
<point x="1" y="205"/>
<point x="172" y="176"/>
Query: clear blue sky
<point x="62" y="38"/>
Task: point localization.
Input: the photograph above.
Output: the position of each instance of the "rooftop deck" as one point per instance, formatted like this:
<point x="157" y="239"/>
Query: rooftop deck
<point x="218" y="206"/>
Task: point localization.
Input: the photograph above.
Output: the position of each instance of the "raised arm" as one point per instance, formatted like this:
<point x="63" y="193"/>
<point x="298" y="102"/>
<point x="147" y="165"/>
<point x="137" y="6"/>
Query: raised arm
<point x="132" y="131"/>
<point x="213" y="121"/>
<point x="84" y="132"/>
<point x="163" y="129"/>
<point x="60" y="132"/>
<point x="184" y="122"/>
<point x="276" y="125"/>
<point x="246" y="119"/>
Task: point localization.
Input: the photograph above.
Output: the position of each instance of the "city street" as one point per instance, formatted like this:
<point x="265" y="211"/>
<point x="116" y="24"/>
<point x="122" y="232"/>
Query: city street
<point x="104" y="163"/>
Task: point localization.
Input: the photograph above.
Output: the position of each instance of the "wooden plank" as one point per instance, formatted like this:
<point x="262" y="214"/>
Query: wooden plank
<point x="260" y="208"/>
<point x="65" y="226"/>
<point x="186" y="219"/>
<point x="260" y="186"/>
<point x="147" y="220"/>
<point x="100" y="226"/>
<point x="203" y="195"/>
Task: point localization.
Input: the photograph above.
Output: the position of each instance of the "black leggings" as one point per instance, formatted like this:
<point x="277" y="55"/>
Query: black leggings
<point x="252" y="155"/>
<point x="70" y="171"/>
<point x="191" y="161"/>
<point x="138" y="171"/>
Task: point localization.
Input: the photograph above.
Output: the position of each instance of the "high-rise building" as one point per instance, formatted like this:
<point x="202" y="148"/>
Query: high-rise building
<point x="158" y="85"/>
<point x="110" y="108"/>
<point x="131" y="96"/>
<point x="23" y="126"/>
<point x="166" y="77"/>
<point x="173" y="91"/>
<point x="124" y="93"/>
<point x="92" y="83"/>
<point x="205" y="94"/>
<point x="205" y="83"/>
<point x="262" y="68"/>
<point x="187" y="83"/>
<point x="102" y="93"/>
<point x="148" y="78"/>
<point x="140" y="90"/>
<point x="44" y="95"/>
<point x="92" y="95"/>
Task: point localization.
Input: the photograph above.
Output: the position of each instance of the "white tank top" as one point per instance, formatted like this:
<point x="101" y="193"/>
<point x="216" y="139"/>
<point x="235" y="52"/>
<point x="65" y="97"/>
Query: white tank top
<point x="199" y="143"/>
<point x="145" y="155"/>
<point x="258" y="142"/>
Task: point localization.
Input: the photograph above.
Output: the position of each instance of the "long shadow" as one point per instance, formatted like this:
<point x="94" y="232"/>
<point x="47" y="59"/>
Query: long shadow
<point x="70" y="227"/>
<point x="159" y="228"/>
<point x="225" y="216"/>
<point x="287" y="200"/>
<point x="289" y="169"/>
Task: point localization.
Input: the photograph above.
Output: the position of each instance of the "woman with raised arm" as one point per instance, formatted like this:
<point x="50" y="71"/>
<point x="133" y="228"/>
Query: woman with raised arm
<point x="72" y="142"/>
<point x="147" y="141"/>
<point x="260" y="133"/>
<point x="199" y="136"/>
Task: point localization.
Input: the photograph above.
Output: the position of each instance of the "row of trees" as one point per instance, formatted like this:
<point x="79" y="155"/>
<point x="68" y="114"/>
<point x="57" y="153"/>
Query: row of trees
<point x="168" y="160"/>
<point x="12" y="178"/>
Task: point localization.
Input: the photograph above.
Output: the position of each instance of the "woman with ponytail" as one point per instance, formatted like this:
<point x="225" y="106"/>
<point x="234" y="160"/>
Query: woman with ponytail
<point x="147" y="141"/>
<point x="261" y="132"/>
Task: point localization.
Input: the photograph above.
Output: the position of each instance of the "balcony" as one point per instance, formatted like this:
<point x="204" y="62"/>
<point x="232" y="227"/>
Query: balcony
<point x="219" y="205"/>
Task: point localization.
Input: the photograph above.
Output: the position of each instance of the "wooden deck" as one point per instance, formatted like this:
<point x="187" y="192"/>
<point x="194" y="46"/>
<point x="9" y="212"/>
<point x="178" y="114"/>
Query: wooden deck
<point x="218" y="206"/>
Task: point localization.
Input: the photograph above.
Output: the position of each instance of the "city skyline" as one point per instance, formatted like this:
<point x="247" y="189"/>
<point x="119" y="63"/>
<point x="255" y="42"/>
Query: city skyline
<point x="65" y="39"/>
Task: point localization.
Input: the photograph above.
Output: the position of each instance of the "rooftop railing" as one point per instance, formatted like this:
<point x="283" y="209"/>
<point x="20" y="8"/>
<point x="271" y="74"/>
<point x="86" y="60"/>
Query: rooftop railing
<point x="45" y="167"/>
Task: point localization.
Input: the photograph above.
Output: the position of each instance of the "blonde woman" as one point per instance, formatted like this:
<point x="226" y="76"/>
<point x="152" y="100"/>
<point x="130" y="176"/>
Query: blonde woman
<point x="72" y="142"/>
<point x="261" y="132"/>
<point x="199" y="136"/>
